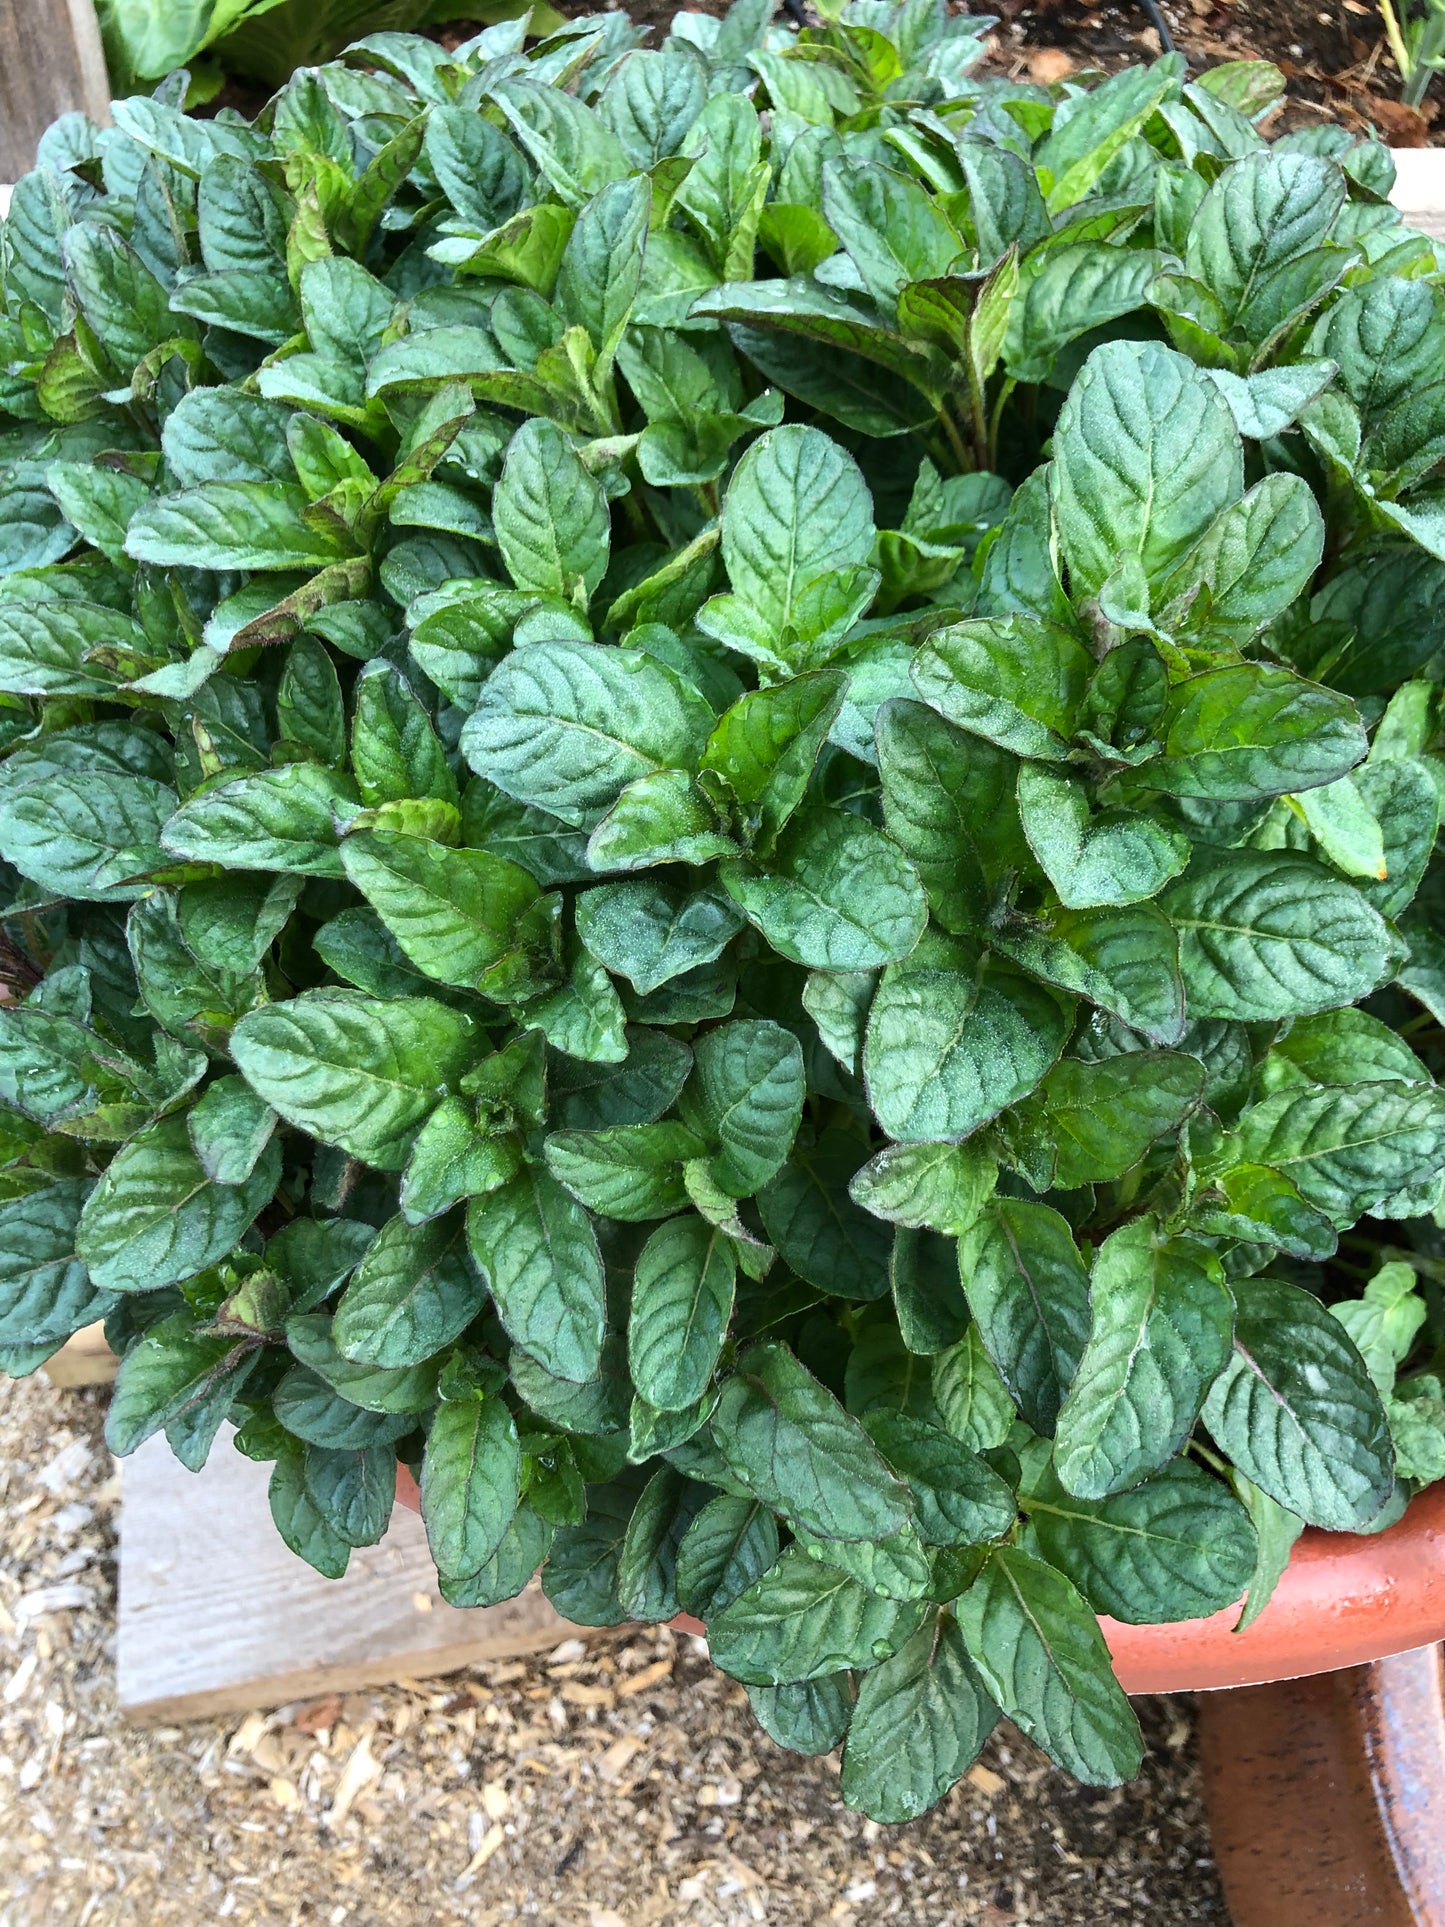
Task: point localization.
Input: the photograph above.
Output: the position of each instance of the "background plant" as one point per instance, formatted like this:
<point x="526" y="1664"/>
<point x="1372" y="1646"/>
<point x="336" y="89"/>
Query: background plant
<point x="722" y="770"/>
<point x="267" y="39"/>
<point x="1417" y="43"/>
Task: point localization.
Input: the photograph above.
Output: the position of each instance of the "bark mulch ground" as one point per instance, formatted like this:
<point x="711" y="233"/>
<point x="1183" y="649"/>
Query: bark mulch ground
<point x="618" y="1784"/>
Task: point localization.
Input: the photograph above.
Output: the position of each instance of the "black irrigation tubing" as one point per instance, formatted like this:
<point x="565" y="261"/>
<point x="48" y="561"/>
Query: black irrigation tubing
<point x="1161" y="27"/>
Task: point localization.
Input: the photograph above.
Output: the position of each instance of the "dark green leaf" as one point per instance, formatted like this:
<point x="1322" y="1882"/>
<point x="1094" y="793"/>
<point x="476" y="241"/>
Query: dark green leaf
<point x="1162" y="1320"/>
<point x="1297" y="1413"/>
<point x="792" y="1444"/>
<point x="1042" y="1656"/>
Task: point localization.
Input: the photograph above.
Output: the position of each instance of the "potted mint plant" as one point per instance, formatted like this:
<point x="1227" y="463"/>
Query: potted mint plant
<point x="720" y="776"/>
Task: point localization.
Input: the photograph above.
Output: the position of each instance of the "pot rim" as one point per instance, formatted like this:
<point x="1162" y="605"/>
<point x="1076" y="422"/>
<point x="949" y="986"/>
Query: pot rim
<point x="1344" y="1599"/>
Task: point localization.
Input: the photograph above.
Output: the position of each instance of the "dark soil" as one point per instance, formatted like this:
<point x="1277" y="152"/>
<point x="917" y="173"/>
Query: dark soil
<point x="1333" y="53"/>
<point x="1333" y="56"/>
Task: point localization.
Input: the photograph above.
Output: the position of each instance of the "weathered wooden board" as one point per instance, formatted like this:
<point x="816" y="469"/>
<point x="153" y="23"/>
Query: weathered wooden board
<point x="51" y="63"/>
<point x="1420" y="188"/>
<point x="85" y="1359"/>
<point x="216" y="1615"/>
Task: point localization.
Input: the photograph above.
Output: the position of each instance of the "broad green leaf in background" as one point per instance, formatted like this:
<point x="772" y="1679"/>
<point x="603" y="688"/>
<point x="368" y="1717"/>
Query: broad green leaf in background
<point x="1262" y="213"/>
<point x="804" y="1620"/>
<point x="229" y="1129"/>
<point x="299" y="1519"/>
<point x="936" y="1184"/>
<point x="47" y="1292"/>
<point x="809" y="1215"/>
<point x="44" y="646"/>
<point x="796" y="507"/>
<point x="731" y="1543"/>
<point x="1016" y="680"/>
<point x="895" y="232"/>
<point x="175" y="1375"/>
<point x="233" y="525"/>
<point x="746" y="1096"/>
<point x="567" y="725"/>
<point x="452" y="1159"/>
<point x="550" y="516"/>
<point x="651" y="931"/>
<point x="354" y="1492"/>
<point x="765" y="747"/>
<point x="1258" y="556"/>
<point x="928" y="1295"/>
<point x="631" y="1172"/>
<point x="155" y="1218"/>
<point x="1253" y="730"/>
<point x="682" y="1296"/>
<point x="837" y="895"/>
<point x="960" y="1499"/>
<point x="1079" y="149"/>
<point x="951" y="1042"/>
<point x="973" y="1399"/>
<point x="1124" y="959"/>
<point x="1117" y="857"/>
<point x="281" y="819"/>
<point x="647" y="1562"/>
<point x="455" y="913"/>
<point x="1090" y="1122"/>
<point x="948" y="805"/>
<point x="1349" y="1147"/>
<point x="806" y="1716"/>
<point x="93" y="836"/>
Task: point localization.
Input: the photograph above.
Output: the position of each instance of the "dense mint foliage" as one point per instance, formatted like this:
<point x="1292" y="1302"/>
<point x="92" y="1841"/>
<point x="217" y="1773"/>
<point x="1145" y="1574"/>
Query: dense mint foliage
<point x="720" y="771"/>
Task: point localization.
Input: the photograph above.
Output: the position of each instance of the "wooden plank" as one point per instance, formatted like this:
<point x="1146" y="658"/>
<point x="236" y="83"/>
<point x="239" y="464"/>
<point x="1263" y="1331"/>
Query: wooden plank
<point x="218" y="1616"/>
<point x="85" y="1359"/>
<point x="1420" y="188"/>
<point x="51" y="63"/>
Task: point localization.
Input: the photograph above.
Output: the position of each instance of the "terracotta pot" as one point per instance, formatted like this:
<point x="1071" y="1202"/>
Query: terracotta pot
<point x="1343" y="1600"/>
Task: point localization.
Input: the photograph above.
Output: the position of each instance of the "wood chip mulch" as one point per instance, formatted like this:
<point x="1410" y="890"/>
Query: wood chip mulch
<point x="620" y="1783"/>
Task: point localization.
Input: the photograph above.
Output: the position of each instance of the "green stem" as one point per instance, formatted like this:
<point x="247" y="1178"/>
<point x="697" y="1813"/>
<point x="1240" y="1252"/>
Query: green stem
<point x="1429" y="46"/>
<point x="1397" y="46"/>
<point x="956" y="441"/>
<point x="978" y="411"/>
<point x="1414" y="1025"/>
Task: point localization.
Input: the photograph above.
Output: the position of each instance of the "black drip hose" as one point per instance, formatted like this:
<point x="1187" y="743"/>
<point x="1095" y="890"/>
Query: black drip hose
<point x="1157" y="20"/>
